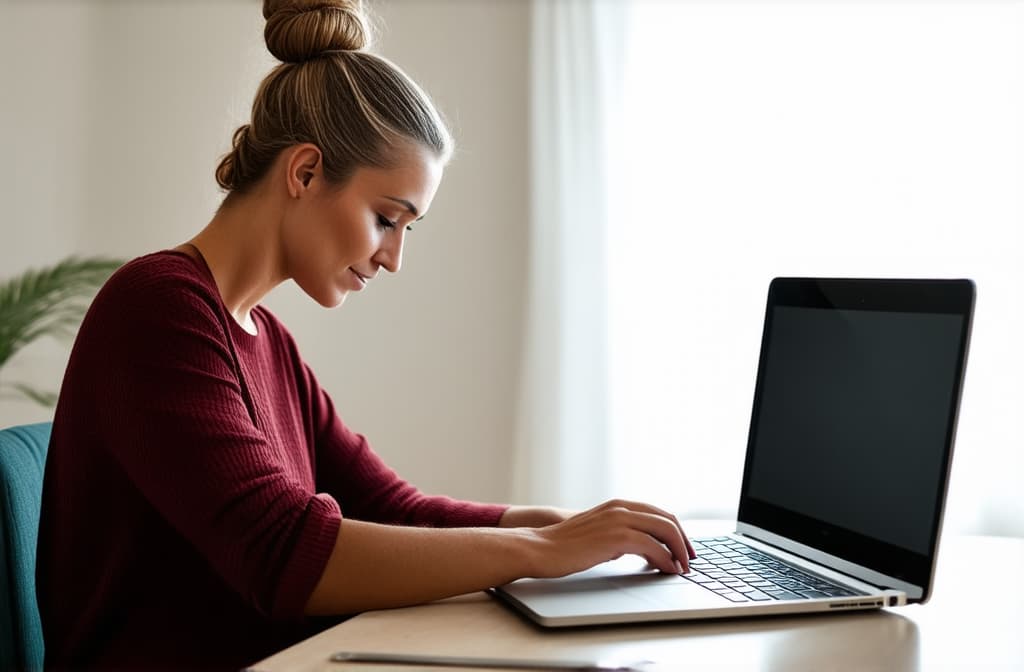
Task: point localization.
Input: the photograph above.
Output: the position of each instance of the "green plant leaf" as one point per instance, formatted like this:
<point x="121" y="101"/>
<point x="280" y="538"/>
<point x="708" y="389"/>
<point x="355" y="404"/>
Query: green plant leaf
<point x="48" y="302"/>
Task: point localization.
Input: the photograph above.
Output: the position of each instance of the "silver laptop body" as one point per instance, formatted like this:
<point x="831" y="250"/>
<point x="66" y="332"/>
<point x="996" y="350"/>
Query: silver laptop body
<point x="847" y="467"/>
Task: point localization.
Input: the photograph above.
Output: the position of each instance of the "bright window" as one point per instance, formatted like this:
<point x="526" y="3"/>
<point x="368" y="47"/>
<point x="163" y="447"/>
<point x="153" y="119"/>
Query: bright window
<point x="809" y="138"/>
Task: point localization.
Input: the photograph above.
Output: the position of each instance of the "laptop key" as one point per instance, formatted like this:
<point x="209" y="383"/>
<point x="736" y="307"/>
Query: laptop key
<point x="734" y="596"/>
<point x="783" y="594"/>
<point x="791" y="585"/>
<point x="812" y="594"/>
<point x="758" y="596"/>
<point x="768" y="574"/>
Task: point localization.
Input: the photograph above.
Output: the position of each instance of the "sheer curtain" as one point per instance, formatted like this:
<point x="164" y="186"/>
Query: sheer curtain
<point x="755" y="139"/>
<point x="562" y="443"/>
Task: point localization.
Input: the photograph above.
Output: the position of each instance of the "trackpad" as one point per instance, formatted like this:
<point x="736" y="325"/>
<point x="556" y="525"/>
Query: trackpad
<point x="679" y="594"/>
<point x="621" y="586"/>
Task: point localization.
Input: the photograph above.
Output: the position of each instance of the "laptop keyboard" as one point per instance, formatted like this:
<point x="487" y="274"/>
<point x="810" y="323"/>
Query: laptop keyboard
<point x="740" y="573"/>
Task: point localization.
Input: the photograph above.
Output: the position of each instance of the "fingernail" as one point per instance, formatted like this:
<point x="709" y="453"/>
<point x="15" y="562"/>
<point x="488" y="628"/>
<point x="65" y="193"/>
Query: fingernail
<point x="679" y="567"/>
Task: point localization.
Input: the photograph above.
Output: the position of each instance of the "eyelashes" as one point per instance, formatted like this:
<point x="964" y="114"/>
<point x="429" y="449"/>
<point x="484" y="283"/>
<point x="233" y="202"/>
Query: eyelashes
<point x="386" y="224"/>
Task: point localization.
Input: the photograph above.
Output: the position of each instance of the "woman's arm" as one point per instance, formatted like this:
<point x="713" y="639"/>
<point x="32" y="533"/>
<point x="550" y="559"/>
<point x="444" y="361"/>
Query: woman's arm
<point x="377" y="566"/>
<point x="534" y="516"/>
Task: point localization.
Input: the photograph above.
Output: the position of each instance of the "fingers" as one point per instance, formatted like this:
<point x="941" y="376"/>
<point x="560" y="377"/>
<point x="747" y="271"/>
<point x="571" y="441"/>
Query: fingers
<point x="667" y="532"/>
<point x="608" y="531"/>
<point x="657" y="555"/>
<point x="660" y="524"/>
<point x="690" y="553"/>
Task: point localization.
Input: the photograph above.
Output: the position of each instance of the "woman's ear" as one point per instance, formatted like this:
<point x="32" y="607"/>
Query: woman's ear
<point x="304" y="168"/>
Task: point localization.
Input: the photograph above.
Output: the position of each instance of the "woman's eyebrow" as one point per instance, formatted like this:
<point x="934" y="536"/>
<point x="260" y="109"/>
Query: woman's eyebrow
<point x="408" y="206"/>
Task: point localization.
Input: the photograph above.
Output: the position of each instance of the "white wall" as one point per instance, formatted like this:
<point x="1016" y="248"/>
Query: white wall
<point x="113" y="117"/>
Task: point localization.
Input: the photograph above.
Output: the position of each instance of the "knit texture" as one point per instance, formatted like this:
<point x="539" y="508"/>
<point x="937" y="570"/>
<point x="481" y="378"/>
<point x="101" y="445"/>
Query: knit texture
<point x="22" y="456"/>
<point x="195" y="482"/>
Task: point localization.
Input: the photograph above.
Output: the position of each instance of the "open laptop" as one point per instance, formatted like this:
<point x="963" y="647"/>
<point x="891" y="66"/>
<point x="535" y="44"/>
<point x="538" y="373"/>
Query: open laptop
<point x="847" y="464"/>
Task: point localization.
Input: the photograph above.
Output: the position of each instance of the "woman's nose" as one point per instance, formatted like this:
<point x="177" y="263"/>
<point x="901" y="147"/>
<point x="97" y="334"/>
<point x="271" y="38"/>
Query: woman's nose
<point x="389" y="255"/>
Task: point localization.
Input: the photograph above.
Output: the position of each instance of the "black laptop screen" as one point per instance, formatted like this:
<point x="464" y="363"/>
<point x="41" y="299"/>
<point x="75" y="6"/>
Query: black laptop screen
<point x="853" y="421"/>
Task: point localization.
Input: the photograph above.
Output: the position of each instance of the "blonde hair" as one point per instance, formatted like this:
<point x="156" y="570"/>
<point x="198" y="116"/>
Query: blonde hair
<point x="357" y="107"/>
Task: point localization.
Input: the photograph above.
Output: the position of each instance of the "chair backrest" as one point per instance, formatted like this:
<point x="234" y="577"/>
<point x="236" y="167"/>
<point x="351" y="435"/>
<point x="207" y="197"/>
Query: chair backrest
<point x="22" y="461"/>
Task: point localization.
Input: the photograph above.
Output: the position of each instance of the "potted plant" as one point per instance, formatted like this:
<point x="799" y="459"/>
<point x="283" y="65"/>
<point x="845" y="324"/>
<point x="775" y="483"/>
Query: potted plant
<point x="46" y="302"/>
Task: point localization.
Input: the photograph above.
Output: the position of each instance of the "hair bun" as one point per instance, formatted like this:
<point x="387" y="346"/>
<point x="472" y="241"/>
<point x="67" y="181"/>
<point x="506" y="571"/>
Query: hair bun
<point x="299" y="30"/>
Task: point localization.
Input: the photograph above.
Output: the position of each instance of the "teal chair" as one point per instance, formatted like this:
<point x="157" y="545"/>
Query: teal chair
<point x="22" y="460"/>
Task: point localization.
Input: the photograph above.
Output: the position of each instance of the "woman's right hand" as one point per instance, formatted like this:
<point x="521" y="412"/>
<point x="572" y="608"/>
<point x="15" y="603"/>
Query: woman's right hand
<point x="607" y="532"/>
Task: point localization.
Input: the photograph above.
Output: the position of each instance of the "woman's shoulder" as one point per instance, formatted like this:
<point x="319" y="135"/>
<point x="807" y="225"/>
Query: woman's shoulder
<point x="155" y="308"/>
<point x="156" y="287"/>
<point x="160" y="274"/>
<point x="163" y="267"/>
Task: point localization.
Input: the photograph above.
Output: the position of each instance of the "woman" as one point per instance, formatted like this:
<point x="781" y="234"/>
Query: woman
<point x="203" y="501"/>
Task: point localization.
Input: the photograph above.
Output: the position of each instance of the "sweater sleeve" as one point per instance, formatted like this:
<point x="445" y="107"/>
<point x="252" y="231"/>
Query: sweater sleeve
<point x="174" y="418"/>
<point x="367" y="489"/>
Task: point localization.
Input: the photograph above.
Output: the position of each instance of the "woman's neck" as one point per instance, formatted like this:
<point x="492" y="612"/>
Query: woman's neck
<point x="241" y="248"/>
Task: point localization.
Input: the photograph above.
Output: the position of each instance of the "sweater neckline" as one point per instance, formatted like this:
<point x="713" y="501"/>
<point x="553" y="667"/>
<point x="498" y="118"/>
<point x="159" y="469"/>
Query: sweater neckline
<point x="237" y="330"/>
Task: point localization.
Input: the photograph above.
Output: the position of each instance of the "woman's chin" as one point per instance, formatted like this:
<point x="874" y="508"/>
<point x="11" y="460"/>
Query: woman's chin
<point x="330" y="299"/>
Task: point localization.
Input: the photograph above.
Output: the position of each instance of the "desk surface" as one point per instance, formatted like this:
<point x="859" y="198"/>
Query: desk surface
<point x="971" y="622"/>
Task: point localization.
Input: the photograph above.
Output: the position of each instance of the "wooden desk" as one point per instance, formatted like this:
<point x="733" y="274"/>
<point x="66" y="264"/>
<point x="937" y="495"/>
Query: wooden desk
<point x="972" y="622"/>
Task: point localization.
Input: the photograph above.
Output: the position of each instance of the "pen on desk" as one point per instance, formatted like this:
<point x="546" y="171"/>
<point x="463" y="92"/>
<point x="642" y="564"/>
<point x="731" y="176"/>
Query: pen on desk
<point x="477" y="661"/>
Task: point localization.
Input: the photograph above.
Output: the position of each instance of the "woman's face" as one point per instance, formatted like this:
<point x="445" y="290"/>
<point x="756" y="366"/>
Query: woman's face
<point x="336" y="239"/>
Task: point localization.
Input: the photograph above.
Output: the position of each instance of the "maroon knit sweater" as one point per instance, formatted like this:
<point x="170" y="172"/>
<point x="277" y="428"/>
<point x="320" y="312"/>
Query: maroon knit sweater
<point x="195" y="483"/>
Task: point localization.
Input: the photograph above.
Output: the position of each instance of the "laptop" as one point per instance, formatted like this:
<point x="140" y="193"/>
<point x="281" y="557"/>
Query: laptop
<point x="847" y="465"/>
